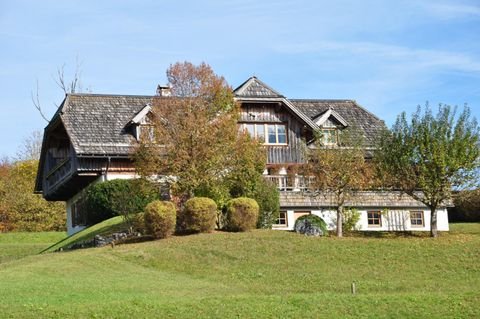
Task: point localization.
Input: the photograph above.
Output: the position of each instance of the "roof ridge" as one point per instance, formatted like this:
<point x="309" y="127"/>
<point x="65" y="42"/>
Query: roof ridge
<point x="326" y="100"/>
<point x="240" y="90"/>
<point x="109" y="95"/>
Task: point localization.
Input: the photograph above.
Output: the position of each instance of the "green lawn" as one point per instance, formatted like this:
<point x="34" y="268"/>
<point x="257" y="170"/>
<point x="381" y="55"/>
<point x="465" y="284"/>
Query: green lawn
<point x="18" y="245"/>
<point x="262" y="274"/>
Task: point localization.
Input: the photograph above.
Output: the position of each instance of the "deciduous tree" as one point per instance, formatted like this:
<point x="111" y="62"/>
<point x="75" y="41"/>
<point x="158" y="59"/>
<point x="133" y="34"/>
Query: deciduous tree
<point x="430" y="155"/>
<point x="197" y="141"/>
<point x="338" y="171"/>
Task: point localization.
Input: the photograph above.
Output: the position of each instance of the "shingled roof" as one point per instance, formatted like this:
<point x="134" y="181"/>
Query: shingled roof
<point x="96" y="123"/>
<point x="254" y="88"/>
<point x="354" y="114"/>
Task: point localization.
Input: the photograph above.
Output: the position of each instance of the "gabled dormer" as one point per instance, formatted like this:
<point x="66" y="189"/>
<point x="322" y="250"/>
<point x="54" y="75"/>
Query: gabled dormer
<point x="330" y="123"/>
<point x="141" y="125"/>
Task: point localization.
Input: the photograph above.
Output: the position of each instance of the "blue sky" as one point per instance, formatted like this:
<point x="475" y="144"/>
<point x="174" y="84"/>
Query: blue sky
<point x="390" y="56"/>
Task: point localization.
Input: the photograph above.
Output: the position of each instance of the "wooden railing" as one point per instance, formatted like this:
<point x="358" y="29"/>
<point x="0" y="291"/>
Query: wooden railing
<point x="290" y="183"/>
<point x="58" y="174"/>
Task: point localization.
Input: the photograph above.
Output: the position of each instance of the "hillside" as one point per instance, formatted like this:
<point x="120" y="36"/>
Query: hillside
<point x="262" y="274"/>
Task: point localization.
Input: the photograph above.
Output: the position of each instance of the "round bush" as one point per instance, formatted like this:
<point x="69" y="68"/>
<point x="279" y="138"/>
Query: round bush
<point x="242" y="214"/>
<point x="198" y="216"/>
<point x="160" y="218"/>
<point x="311" y="225"/>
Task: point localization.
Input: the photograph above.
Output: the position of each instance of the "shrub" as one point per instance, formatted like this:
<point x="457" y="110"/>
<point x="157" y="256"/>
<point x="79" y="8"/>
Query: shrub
<point x="242" y="214"/>
<point x="118" y="197"/>
<point x="311" y="225"/>
<point x="268" y="198"/>
<point x="198" y="216"/>
<point x="160" y="219"/>
<point x="350" y="219"/>
<point x="138" y="223"/>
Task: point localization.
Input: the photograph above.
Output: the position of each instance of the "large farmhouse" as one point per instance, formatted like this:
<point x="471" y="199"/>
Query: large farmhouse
<point x="91" y="137"/>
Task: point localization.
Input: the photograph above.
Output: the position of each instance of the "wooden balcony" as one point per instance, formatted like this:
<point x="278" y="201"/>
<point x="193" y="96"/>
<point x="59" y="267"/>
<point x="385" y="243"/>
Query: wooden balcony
<point x="57" y="175"/>
<point x="290" y="183"/>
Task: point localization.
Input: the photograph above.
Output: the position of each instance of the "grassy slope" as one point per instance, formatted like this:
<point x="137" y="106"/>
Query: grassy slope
<point x="109" y="225"/>
<point x="18" y="245"/>
<point x="260" y="274"/>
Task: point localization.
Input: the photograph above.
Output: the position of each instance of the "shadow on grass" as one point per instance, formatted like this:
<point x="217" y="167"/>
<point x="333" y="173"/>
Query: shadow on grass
<point x="387" y="234"/>
<point x="87" y="235"/>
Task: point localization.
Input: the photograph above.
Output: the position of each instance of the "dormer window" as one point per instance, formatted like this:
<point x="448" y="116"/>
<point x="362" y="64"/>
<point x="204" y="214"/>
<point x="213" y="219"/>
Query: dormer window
<point x="329" y="136"/>
<point x="267" y="133"/>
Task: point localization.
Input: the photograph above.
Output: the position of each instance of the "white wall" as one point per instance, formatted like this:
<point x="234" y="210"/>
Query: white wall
<point x="393" y="220"/>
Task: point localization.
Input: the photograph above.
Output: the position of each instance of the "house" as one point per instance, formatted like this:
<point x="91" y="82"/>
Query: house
<point x="91" y="136"/>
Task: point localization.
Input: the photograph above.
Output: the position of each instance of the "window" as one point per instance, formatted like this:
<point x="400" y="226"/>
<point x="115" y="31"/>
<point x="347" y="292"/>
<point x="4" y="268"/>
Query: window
<point x="79" y="216"/>
<point x="329" y="136"/>
<point x="272" y="134"/>
<point x="374" y="219"/>
<point x="282" y="219"/>
<point x="416" y="219"/>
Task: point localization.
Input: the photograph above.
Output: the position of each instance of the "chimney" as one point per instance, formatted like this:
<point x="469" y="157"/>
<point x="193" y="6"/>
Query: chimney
<point x="163" y="91"/>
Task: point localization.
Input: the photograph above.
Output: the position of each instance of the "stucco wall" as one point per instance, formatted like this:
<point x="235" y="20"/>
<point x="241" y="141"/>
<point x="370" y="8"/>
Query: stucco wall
<point x="391" y="220"/>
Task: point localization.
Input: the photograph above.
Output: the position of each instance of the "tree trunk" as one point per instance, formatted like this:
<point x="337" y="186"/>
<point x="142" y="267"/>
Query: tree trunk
<point x="340" y="221"/>
<point x="433" y="222"/>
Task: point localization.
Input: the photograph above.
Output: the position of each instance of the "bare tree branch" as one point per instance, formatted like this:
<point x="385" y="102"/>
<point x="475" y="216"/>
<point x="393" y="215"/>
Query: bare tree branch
<point x="36" y="102"/>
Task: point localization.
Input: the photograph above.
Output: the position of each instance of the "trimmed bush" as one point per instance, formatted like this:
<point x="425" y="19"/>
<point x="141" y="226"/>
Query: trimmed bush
<point x="198" y="216"/>
<point x="242" y="214"/>
<point x="311" y="225"/>
<point x="160" y="219"/>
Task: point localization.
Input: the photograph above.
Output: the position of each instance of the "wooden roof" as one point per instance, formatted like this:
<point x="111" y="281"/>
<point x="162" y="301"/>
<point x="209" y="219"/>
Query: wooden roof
<point x="253" y="87"/>
<point x="354" y="114"/>
<point x="97" y="123"/>
<point x="365" y="199"/>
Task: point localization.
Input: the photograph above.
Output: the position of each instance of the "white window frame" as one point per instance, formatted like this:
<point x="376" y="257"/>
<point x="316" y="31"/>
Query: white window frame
<point x="373" y="218"/>
<point x="285" y="224"/>
<point x="421" y="218"/>
<point x="326" y="133"/>
<point x="266" y="126"/>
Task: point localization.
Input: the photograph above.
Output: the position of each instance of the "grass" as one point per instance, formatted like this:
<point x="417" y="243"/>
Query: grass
<point x="18" y="245"/>
<point x="108" y="226"/>
<point x="264" y="274"/>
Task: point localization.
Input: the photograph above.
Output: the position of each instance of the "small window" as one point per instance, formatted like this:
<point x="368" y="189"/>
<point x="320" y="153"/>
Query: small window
<point x="374" y="219"/>
<point x="416" y="219"/>
<point x="329" y="136"/>
<point x="282" y="219"/>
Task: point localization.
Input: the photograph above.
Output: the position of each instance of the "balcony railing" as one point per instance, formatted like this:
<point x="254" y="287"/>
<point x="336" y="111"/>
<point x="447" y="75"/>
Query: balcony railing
<point x="290" y="183"/>
<point x="58" y="174"/>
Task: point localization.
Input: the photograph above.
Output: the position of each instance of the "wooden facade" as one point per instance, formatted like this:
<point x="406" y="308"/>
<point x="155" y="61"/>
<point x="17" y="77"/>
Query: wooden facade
<point x="297" y="132"/>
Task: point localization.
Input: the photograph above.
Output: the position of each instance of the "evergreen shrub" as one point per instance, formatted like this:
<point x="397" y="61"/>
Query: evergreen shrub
<point x="198" y="216"/>
<point x="241" y="214"/>
<point x="311" y="225"/>
<point x="160" y="218"/>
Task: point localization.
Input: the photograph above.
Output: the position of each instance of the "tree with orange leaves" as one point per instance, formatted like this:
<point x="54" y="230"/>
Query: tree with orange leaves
<point x="197" y="142"/>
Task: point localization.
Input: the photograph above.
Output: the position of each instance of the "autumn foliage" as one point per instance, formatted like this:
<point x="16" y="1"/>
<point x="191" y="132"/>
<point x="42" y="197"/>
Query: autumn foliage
<point x="20" y="208"/>
<point x="197" y="144"/>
